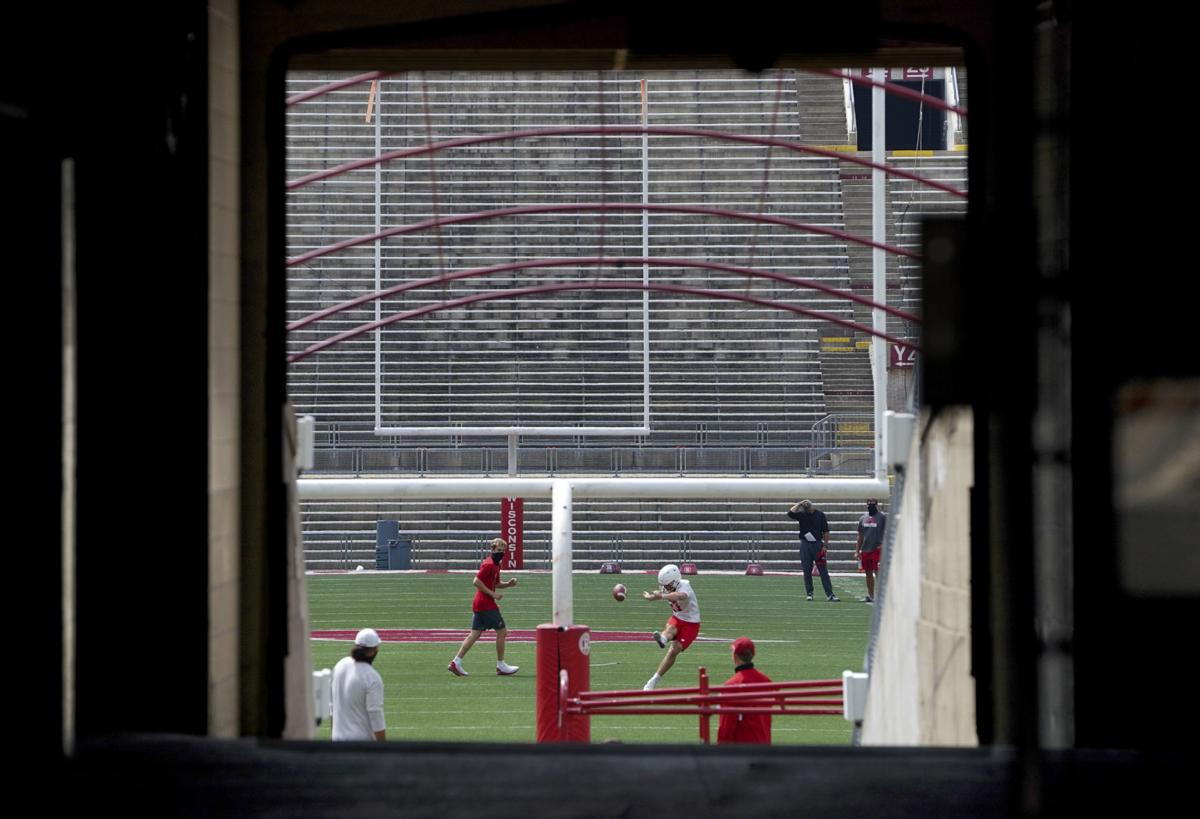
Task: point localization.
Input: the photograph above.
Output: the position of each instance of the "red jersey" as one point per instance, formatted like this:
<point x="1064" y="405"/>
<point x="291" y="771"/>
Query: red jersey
<point x="745" y="727"/>
<point x="489" y="573"/>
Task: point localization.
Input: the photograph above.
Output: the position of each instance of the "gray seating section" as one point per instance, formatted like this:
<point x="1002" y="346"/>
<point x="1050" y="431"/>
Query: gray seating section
<point x="716" y="534"/>
<point x="735" y="389"/>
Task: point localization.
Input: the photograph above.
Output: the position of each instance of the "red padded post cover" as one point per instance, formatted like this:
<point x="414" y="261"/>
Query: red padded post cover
<point x="561" y="648"/>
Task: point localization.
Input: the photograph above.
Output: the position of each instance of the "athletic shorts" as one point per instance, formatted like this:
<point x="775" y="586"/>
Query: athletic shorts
<point x="870" y="561"/>
<point x="484" y="620"/>
<point x="685" y="632"/>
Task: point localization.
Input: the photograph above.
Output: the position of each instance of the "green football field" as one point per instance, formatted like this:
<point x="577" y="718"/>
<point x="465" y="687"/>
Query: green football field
<point x="797" y="640"/>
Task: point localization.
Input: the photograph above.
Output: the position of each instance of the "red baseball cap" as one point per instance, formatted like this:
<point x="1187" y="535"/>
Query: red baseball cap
<point x="743" y="645"/>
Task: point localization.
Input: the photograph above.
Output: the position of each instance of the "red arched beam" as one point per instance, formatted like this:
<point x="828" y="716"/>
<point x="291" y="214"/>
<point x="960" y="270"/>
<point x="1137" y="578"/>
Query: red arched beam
<point x="334" y="86"/>
<point x="615" y="261"/>
<point x="519" y="292"/>
<point x="634" y="130"/>
<point x="522" y="210"/>
<point x="891" y="88"/>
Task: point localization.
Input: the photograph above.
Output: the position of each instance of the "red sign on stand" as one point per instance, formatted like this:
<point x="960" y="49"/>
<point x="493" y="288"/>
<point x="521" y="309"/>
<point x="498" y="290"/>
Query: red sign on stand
<point x="901" y="355"/>
<point x="512" y="530"/>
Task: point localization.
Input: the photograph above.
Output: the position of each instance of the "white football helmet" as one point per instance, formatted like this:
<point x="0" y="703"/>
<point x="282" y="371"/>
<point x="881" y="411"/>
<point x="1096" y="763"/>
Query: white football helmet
<point x="668" y="575"/>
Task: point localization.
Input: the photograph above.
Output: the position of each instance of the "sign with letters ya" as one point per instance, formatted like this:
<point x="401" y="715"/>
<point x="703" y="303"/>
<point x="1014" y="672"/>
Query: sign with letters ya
<point x="901" y="355"/>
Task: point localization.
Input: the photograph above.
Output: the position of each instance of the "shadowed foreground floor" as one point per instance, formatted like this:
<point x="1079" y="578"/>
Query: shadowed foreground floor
<point x="156" y="775"/>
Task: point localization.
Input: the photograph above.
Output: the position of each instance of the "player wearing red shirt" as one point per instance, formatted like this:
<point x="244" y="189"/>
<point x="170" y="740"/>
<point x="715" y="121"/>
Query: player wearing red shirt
<point x="734" y="727"/>
<point x="487" y="612"/>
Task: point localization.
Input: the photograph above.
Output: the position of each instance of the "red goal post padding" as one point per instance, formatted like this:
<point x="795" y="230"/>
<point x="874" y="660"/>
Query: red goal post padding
<point x="563" y="671"/>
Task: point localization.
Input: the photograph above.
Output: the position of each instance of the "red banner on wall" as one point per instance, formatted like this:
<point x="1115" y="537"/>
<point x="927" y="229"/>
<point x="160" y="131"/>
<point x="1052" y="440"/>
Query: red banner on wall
<point x="512" y="530"/>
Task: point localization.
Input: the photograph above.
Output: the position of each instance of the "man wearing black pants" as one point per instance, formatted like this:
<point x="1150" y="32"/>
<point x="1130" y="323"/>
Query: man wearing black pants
<point x="814" y="540"/>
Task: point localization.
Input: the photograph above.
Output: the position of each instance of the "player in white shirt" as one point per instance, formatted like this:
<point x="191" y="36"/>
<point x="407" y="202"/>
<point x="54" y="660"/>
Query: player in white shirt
<point x="683" y="624"/>
<point x="358" y="692"/>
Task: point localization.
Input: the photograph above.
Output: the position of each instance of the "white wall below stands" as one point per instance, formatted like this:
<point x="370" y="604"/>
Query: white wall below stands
<point x="921" y="690"/>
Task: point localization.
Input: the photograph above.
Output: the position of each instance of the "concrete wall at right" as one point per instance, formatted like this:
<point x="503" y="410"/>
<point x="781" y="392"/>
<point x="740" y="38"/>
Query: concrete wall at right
<point x="922" y="691"/>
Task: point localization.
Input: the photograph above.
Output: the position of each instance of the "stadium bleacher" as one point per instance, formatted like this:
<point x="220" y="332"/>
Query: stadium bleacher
<point x="734" y="389"/>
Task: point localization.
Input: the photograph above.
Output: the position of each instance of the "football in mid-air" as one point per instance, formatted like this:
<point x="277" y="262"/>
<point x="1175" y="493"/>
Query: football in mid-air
<point x="619" y="592"/>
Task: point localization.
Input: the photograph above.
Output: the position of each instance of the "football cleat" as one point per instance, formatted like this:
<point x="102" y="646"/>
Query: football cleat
<point x="658" y="638"/>
<point x="504" y="669"/>
<point x="456" y="668"/>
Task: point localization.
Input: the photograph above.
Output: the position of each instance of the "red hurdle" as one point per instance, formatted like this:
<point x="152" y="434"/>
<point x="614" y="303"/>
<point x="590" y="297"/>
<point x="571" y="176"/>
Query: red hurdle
<point x="806" y="697"/>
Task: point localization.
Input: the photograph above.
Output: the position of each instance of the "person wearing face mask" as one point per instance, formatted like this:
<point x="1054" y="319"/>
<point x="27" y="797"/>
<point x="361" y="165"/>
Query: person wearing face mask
<point x="870" y="544"/>
<point x="814" y="541"/>
<point x="487" y="612"/>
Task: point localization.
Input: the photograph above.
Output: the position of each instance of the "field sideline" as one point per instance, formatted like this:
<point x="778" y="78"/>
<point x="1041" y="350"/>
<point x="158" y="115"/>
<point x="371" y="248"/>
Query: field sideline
<point x="798" y="640"/>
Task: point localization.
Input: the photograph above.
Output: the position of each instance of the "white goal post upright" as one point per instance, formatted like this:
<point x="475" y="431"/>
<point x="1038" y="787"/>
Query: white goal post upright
<point x="562" y="592"/>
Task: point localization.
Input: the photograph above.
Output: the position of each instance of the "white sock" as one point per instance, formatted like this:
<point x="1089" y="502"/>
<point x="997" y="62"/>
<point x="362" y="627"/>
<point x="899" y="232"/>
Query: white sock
<point x="457" y="660"/>
<point x="655" y="678"/>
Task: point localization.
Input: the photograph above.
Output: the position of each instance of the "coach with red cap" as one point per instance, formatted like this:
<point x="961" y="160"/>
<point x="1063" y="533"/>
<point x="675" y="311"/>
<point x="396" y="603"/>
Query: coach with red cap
<point x="738" y="727"/>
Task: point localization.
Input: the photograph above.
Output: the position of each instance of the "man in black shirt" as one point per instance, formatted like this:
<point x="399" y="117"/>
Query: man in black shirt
<point x="814" y="540"/>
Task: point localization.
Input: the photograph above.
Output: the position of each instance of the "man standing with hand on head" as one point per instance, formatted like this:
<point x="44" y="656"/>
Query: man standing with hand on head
<point x="814" y="540"/>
